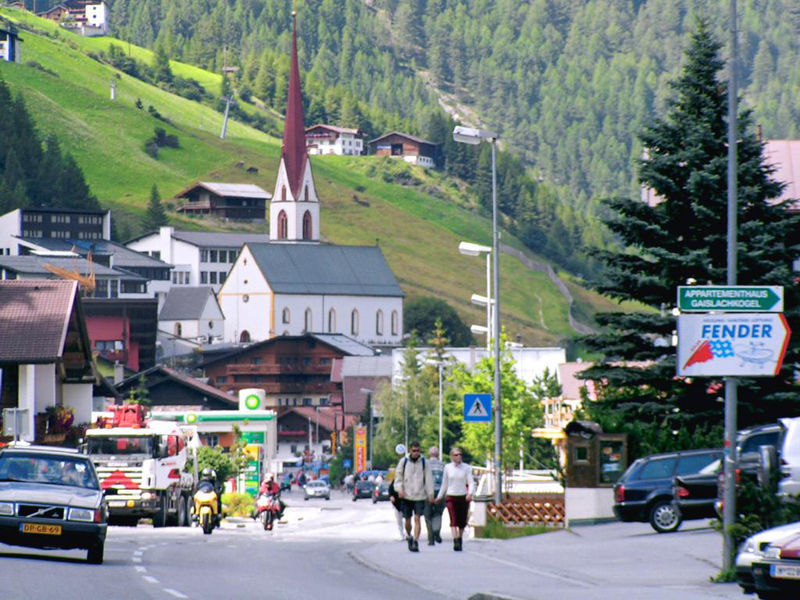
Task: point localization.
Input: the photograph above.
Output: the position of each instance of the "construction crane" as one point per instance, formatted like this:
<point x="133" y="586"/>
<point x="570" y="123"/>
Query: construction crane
<point x="86" y="282"/>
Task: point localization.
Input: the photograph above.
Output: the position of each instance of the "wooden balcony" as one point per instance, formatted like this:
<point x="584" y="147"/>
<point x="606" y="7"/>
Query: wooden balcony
<point x="271" y="369"/>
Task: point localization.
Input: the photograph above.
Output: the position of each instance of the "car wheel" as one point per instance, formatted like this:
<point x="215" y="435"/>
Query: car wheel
<point x="306" y="498"/>
<point x="94" y="555"/>
<point x="665" y="517"/>
<point x="183" y="512"/>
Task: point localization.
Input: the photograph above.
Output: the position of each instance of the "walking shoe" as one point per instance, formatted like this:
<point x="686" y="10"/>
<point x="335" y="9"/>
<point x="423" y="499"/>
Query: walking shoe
<point x="457" y="544"/>
<point x="438" y="538"/>
<point x="431" y="543"/>
<point x="415" y="546"/>
<point x="410" y="541"/>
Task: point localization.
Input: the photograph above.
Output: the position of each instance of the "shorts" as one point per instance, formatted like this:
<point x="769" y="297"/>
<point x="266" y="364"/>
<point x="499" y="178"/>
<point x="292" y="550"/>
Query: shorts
<point x="458" y="509"/>
<point x="413" y="507"/>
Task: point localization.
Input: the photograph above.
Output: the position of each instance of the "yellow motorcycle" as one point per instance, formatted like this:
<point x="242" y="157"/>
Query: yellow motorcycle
<point x="205" y="510"/>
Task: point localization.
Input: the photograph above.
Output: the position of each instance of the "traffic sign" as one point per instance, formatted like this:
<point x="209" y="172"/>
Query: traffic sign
<point x="478" y="408"/>
<point x="730" y="298"/>
<point x="716" y="345"/>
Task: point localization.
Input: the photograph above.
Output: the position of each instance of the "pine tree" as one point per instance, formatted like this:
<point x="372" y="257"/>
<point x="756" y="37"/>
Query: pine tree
<point x="683" y="238"/>
<point x="156" y="215"/>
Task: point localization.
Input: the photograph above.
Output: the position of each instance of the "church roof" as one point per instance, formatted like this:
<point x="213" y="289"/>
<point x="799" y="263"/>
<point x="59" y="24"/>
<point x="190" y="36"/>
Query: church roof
<point x="325" y="269"/>
<point x="293" y="152"/>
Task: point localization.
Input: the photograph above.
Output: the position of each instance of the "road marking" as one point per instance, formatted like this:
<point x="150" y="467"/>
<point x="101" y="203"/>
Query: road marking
<point x="175" y="593"/>
<point x="136" y="559"/>
<point x="150" y="578"/>
<point x="141" y="569"/>
<point x="509" y="563"/>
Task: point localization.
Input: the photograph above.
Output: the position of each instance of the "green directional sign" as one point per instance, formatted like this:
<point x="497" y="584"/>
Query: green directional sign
<point x="730" y="298"/>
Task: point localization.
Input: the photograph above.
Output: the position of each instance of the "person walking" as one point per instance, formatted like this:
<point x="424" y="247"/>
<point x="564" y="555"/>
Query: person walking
<point x="434" y="510"/>
<point x="397" y="505"/>
<point x="457" y="489"/>
<point x="414" y="484"/>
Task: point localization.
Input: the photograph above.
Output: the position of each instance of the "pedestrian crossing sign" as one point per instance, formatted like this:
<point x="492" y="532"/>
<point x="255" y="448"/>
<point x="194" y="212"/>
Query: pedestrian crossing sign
<point x="478" y="408"/>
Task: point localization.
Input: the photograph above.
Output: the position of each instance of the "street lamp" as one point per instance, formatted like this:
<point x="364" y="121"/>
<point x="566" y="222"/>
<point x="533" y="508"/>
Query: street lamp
<point x="470" y="249"/>
<point x="469" y="135"/>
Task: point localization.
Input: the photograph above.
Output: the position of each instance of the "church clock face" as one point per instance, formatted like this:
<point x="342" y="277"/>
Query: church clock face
<point x="246" y="298"/>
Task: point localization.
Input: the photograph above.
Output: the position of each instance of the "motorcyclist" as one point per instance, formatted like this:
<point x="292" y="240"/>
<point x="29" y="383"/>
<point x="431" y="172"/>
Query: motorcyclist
<point x="210" y="475"/>
<point x="270" y="487"/>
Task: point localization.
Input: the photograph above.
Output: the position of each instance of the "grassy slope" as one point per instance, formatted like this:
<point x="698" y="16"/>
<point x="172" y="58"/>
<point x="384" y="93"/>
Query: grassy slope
<point x="417" y="232"/>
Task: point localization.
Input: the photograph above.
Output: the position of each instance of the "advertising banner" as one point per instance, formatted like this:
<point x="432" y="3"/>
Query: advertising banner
<point x="360" y="447"/>
<point x="728" y="344"/>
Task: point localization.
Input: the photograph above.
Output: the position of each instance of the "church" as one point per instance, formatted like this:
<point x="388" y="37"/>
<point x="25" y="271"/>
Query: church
<point x="295" y="284"/>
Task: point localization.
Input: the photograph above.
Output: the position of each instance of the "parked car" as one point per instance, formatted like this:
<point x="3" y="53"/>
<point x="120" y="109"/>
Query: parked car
<point x="644" y="492"/>
<point x="363" y="489"/>
<point x="753" y="549"/>
<point x="51" y="498"/>
<point x="381" y="492"/>
<point x="695" y="495"/>
<point x="777" y="574"/>
<point x="789" y="454"/>
<point x="316" y="489"/>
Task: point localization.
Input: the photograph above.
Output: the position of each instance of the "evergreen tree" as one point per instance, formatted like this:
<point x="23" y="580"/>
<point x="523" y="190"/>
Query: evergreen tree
<point x="162" y="72"/>
<point x="156" y="216"/>
<point x="422" y="314"/>
<point x="681" y="239"/>
<point x="74" y="190"/>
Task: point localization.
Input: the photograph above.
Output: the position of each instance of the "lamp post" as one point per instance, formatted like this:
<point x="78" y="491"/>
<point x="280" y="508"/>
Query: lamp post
<point x="368" y="392"/>
<point x="468" y="135"/>
<point x="470" y="249"/>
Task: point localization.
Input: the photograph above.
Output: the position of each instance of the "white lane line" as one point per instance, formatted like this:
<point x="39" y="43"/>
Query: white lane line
<point x="137" y="553"/>
<point x="175" y="593"/>
<point x="149" y="578"/>
<point x="141" y="569"/>
<point x="137" y="559"/>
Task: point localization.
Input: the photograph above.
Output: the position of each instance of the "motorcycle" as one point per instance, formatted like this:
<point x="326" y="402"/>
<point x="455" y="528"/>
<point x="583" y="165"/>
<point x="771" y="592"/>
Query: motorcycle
<point x="205" y="510"/>
<point x="268" y="510"/>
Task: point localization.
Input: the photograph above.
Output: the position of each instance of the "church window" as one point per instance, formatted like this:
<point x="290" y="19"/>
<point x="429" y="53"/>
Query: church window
<point x="354" y="322"/>
<point x="395" y="323"/>
<point x="307" y="321"/>
<point x="283" y="225"/>
<point x="305" y="193"/>
<point x="178" y="329"/>
<point x="244" y="337"/>
<point x="286" y="316"/>
<point x="307" y="225"/>
<point x="331" y="320"/>
<point x="283" y="193"/>
<point x="379" y="323"/>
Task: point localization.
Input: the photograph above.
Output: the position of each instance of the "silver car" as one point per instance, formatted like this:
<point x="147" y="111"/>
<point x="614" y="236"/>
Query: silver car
<point x="51" y="498"/>
<point x="754" y="548"/>
<point x="316" y="489"/>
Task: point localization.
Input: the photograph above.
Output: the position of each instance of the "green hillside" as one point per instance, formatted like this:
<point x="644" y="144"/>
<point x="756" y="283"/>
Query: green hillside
<point x="418" y="217"/>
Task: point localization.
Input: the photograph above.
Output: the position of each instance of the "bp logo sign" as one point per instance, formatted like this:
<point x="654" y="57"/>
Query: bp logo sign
<point x="252" y="402"/>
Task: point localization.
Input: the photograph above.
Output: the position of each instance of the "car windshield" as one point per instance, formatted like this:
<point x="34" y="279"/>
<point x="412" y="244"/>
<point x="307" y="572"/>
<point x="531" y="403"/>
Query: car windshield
<point x="54" y="470"/>
<point x="120" y="444"/>
<point x="317" y="484"/>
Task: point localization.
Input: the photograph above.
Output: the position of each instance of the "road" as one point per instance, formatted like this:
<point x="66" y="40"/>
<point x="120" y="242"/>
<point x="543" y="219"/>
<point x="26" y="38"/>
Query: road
<point x="343" y="549"/>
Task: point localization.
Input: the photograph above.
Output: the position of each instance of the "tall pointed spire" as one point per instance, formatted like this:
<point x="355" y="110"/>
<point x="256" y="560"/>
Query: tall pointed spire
<point x="294" y="132"/>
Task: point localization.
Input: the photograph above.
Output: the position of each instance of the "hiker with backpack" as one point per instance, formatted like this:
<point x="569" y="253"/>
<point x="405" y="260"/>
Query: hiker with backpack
<point x="414" y="484"/>
<point x="434" y="510"/>
<point x="457" y="489"/>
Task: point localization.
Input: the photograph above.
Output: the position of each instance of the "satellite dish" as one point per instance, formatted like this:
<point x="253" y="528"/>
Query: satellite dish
<point x="400" y="449"/>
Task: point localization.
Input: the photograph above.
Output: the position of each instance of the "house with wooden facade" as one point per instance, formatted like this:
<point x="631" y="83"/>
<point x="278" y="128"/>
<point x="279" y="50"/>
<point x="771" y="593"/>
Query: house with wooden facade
<point x="328" y="139"/>
<point x="168" y="389"/>
<point x="46" y="362"/>
<point x="231" y="201"/>
<point x="411" y="149"/>
<point x="88" y="18"/>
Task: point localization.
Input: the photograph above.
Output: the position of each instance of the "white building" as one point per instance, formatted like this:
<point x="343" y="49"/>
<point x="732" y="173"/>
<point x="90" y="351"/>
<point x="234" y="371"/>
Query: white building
<point x="190" y="317"/>
<point x="197" y="257"/>
<point x="329" y="139"/>
<point x="10" y="45"/>
<point x="290" y="289"/>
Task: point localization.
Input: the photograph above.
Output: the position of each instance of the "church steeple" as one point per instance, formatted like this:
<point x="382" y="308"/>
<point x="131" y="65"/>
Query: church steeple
<point x="294" y="209"/>
<point x="294" y="131"/>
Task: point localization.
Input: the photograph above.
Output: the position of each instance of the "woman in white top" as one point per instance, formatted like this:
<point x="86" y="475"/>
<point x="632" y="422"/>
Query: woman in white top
<point x="457" y="488"/>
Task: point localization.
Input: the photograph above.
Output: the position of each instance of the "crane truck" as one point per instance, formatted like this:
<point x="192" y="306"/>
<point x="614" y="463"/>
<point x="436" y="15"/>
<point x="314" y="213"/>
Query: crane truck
<point x="144" y="461"/>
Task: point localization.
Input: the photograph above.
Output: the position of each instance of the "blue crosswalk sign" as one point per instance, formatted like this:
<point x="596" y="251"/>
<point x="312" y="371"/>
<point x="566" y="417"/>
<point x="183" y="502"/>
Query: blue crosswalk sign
<point x="478" y="408"/>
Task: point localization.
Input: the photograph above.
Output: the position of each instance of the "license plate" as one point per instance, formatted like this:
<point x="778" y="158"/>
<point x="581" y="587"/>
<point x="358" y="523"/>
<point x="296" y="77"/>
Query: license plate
<point x="116" y="503"/>
<point x="40" y="528"/>
<point x="784" y="572"/>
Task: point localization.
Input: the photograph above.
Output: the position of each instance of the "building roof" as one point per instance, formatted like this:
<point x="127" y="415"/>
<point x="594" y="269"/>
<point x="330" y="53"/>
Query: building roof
<point x="34" y="318"/>
<point x="210" y="239"/>
<point x="237" y="190"/>
<point x="326" y="416"/>
<point x="293" y="151"/>
<point x="347" y="345"/>
<point x="405" y="135"/>
<point x="367" y="366"/>
<point x="325" y="269"/>
<point x="185" y="303"/>
<point x="124" y="257"/>
<point x="190" y="382"/>
<point x="333" y="128"/>
<point x="784" y="156"/>
<point x="36" y="265"/>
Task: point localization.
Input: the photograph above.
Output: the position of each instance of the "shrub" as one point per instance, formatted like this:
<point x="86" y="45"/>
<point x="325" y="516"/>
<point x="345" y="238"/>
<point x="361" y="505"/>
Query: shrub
<point x="238" y="504"/>
<point x="498" y="530"/>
